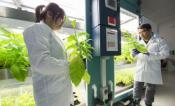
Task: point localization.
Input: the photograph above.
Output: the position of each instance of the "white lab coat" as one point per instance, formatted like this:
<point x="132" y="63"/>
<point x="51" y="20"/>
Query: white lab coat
<point x="50" y="70"/>
<point x="148" y="67"/>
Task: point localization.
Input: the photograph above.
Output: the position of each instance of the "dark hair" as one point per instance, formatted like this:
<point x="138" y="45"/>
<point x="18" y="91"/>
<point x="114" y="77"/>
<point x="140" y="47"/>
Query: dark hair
<point x="53" y="8"/>
<point x="145" y="26"/>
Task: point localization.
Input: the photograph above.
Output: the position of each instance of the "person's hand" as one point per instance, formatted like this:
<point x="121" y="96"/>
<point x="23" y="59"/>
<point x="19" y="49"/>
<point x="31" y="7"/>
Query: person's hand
<point x="135" y="52"/>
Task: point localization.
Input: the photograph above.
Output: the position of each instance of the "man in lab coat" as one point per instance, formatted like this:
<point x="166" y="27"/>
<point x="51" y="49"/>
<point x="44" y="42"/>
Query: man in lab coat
<point x="148" y="68"/>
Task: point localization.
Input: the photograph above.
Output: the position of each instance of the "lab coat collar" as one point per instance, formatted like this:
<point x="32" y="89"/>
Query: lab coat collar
<point x="45" y="25"/>
<point x="150" y="40"/>
<point x="143" y="42"/>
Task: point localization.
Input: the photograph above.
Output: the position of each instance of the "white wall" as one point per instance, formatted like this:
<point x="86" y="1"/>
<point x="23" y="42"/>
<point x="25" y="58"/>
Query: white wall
<point x="165" y="31"/>
<point x="169" y="35"/>
<point x="154" y="25"/>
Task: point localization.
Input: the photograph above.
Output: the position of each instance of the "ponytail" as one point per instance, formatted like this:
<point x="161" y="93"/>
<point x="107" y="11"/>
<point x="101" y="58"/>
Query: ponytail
<point x="39" y="13"/>
<point x="53" y="8"/>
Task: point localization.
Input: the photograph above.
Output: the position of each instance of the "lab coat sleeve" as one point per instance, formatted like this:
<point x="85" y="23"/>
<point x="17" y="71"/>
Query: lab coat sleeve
<point x="163" y="53"/>
<point x="40" y="57"/>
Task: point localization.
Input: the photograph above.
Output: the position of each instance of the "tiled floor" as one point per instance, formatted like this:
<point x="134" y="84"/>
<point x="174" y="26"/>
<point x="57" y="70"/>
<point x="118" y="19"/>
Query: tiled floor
<point x="165" y="94"/>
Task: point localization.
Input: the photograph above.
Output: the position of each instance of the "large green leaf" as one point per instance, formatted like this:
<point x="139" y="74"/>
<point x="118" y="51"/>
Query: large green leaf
<point x="79" y="49"/>
<point x="141" y="48"/>
<point x="19" y="72"/>
<point x="86" y="77"/>
<point x="77" y="70"/>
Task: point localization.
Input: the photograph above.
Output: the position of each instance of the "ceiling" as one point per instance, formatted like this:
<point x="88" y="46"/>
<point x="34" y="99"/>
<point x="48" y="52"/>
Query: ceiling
<point x="160" y="11"/>
<point x="72" y="9"/>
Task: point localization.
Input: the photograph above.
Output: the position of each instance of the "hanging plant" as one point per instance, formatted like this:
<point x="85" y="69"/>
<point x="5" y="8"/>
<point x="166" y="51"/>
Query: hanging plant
<point x="13" y="54"/>
<point x="79" y="50"/>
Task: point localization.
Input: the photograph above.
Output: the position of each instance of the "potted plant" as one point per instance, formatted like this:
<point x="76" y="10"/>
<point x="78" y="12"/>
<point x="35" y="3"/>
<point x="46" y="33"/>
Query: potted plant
<point x="13" y="54"/>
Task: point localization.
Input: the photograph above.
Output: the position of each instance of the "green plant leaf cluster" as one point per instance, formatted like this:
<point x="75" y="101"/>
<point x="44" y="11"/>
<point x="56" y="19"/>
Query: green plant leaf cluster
<point x="129" y="43"/>
<point x="25" y="99"/>
<point x="13" y="54"/>
<point x="79" y="50"/>
<point x="77" y="69"/>
<point x="125" y="76"/>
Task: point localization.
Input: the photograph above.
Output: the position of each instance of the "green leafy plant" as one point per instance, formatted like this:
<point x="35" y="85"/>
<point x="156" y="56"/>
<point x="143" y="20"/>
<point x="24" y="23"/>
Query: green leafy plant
<point x="13" y="54"/>
<point x="25" y="99"/>
<point x="125" y="77"/>
<point x="79" y="50"/>
<point x="129" y="43"/>
<point x="132" y="41"/>
<point x="17" y="95"/>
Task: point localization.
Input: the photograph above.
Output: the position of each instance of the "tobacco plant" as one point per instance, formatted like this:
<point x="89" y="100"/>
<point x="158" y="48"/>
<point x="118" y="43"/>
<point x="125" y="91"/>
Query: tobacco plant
<point x="79" y="50"/>
<point x="13" y="54"/>
<point x="129" y="43"/>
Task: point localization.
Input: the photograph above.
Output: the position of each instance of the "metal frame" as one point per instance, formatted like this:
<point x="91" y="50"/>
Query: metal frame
<point x="94" y="64"/>
<point x="18" y="3"/>
<point x="19" y="14"/>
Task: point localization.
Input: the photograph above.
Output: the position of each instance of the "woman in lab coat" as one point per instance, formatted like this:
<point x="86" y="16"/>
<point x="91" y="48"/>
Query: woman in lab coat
<point x="50" y="68"/>
<point x="148" y="68"/>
